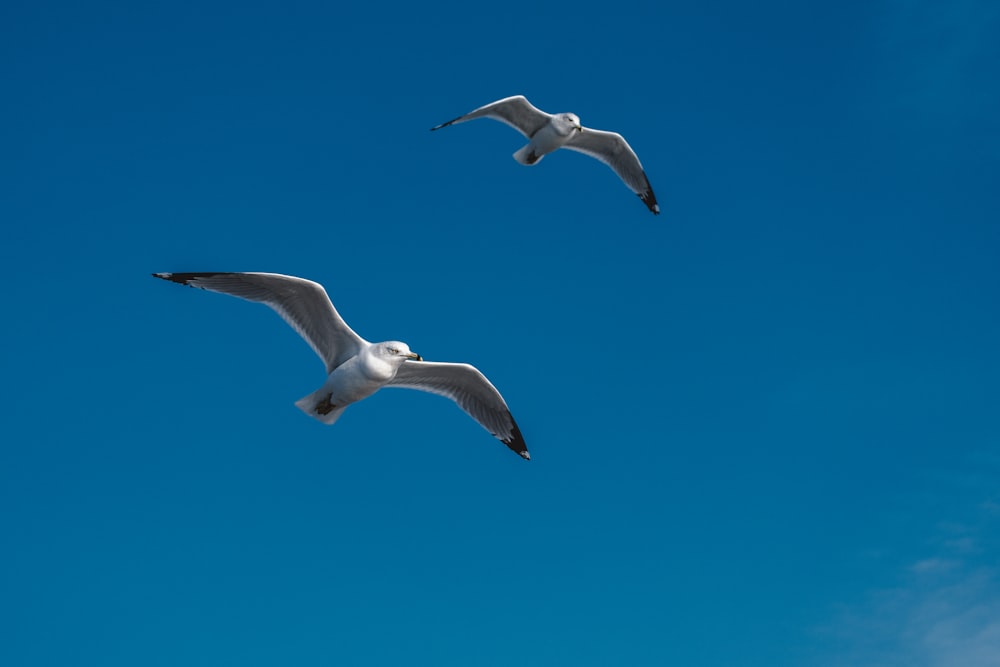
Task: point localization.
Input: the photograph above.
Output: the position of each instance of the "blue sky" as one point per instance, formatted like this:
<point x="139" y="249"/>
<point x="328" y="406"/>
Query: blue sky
<point x="763" y="424"/>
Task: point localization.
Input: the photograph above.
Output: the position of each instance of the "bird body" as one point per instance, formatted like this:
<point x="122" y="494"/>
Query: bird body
<point x="548" y="132"/>
<point x="357" y="378"/>
<point x="550" y="137"/>
<point x="356" y="368"/>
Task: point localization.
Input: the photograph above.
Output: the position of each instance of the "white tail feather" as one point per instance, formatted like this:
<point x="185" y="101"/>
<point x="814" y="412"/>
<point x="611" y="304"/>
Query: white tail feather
<point x="310" y="402"/>
<point x="527" y="156"/>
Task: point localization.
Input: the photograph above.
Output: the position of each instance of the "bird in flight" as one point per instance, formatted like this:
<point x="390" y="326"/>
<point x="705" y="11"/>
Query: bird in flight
<point x="356" y="368"/>
<point x="548" y="132"/>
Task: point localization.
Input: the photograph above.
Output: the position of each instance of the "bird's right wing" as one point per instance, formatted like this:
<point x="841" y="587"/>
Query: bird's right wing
<point x="302" y="303"/>
<point x="612" y="149"/>
<point x="515" y="111"/>
<point x="465" y="385"/>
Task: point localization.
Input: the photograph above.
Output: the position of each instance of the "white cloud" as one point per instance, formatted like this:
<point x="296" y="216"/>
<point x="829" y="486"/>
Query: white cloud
<point x="934" y="565"/>
<point x="943" y="608"/>
<point x="948" y="616"/>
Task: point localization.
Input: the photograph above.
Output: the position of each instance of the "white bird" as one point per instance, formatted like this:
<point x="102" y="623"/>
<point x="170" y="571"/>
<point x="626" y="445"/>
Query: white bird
<point x="547" y="132"/>
<point x="356" y="368"/>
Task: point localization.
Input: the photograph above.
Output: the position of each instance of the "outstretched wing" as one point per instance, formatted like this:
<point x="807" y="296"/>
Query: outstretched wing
<point x="465" y="385"/>
<point x="516" y="111"/>
<point x="612" y="149"/>
<point x="300" y="302"/>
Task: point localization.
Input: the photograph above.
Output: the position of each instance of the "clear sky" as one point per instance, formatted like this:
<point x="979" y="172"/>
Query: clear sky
<point x="765" y="425"/>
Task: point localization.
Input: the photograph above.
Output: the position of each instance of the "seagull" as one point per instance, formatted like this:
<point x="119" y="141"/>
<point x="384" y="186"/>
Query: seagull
<point x="548" y="132"/>
<point x="356" y="368"/>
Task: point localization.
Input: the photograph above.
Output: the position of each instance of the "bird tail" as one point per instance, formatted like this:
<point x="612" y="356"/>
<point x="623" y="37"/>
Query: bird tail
<point x="527" y="155"/>
<point x="318" y="406"/>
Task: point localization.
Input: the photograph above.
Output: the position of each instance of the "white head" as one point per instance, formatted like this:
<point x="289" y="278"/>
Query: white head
<point x="569" y="121"/>
<point x="395" y="351"/>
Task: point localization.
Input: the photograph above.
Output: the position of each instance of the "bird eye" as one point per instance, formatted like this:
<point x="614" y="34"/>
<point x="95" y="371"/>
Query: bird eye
<point x="394" y="350"/>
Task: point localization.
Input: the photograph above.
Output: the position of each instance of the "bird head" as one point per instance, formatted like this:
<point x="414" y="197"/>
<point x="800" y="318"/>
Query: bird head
<point x="573" y="121"/>
<point x="394" y="349"/>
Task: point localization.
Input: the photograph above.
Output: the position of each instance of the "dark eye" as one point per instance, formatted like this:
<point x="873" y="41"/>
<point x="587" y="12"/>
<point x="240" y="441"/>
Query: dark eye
<point x="394" y="350"/>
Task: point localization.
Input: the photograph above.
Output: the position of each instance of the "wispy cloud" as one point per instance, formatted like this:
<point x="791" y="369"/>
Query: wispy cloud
<point x="930" y="565"/>
<point x="943" y="607"/>
<point x="947" y="615"/>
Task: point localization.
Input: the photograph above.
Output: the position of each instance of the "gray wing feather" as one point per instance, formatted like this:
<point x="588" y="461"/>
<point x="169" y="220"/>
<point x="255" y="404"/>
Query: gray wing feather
<point x="515" y="111"/>
<point x="302" y="303"/>
<point x="612" y="149"/>
<point x="465" y="385"/>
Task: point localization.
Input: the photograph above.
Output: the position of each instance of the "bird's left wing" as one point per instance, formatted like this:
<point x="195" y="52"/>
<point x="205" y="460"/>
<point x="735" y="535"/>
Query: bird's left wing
<point x="515" y="111"/>
<point x="465" y="385"/>
<point x="302" y="303"/>
<point x="612" y="149"/>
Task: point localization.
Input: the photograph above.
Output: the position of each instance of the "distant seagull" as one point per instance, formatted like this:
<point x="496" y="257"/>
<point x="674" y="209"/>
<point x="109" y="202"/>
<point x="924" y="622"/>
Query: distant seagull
<point x="548" y="132"/>
<point x="357" y="368"/>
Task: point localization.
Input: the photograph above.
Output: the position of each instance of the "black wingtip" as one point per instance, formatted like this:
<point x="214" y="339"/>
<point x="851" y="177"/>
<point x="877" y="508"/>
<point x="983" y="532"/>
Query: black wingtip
<point x="172" y="277"/>
<point x="516" y="441"/>
<point x="450" y="122"/>
<point x="649" y="199"/>
<point x="185" y="278"/>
